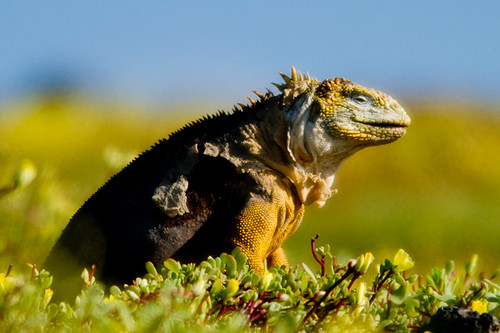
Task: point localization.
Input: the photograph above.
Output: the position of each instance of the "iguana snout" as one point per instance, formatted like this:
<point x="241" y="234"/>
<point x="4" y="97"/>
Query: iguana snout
<point x="353" y="112"/>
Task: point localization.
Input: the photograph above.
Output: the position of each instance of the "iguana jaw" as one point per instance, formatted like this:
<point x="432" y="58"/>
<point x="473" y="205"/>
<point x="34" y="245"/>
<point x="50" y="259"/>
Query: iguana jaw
<point x="379" y="130"/>
<point x="369" y="129"/>
<point x="397" y="118"/>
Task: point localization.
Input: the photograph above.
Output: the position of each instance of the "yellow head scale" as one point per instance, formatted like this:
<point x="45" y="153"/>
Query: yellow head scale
<point x="354" y="112"/>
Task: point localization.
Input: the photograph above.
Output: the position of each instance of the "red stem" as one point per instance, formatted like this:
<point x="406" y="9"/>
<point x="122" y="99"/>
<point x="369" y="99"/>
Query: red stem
<point x="320" y="261"/>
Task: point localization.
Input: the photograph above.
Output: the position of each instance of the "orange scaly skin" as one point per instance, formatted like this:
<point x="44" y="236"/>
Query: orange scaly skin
<point x="238" y="179"/>
<point x="263" y="226"/>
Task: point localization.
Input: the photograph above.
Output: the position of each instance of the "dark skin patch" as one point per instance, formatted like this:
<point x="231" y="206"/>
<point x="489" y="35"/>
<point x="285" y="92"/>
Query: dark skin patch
<point x="216" y="184"/>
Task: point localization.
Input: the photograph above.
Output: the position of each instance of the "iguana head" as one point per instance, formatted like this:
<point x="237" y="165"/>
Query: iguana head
<point x="353" y="112"/>
<point x="329" y="121"/>
<point x="350" y="111"/>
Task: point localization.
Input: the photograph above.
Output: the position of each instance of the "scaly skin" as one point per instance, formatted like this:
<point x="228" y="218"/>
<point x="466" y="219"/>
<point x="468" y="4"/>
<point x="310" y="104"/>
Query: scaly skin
<point x="263" y="226"/>
<point x="349" y="112"/>
<point x="355" y="112"/>
<point x="231" y="180"/>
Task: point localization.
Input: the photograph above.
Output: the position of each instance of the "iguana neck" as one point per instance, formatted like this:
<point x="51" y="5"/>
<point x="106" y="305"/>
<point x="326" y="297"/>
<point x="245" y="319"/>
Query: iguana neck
<point x="297" y="148"/>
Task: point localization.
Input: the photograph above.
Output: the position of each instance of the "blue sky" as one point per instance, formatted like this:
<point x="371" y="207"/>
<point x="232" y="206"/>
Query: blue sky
<point x="194" y="51"/>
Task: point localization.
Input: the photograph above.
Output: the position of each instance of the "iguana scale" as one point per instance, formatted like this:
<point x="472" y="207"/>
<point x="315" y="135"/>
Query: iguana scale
<point x="237" y="179"/>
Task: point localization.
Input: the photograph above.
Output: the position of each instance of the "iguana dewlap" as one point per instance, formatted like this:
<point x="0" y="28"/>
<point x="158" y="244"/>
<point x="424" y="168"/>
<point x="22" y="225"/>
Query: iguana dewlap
<point x="230" y="180"/>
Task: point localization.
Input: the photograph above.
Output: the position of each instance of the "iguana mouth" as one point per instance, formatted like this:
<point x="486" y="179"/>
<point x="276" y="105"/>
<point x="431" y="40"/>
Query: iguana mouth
<point x="386" y="125"/>
<point x="379" y="131"/>
<point x="383" y="122"/>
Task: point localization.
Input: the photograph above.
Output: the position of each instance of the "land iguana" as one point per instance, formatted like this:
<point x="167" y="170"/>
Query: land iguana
<point x="238" y="179"/>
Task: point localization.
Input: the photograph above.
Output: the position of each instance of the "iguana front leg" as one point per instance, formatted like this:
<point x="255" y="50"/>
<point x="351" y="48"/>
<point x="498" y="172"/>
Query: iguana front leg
<point x="261" y="229"/>
<point x="277" y="258"/>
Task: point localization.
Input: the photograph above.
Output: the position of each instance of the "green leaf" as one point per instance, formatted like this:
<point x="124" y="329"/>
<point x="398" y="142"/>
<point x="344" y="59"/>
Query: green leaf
<point x="398" y="296"/>
<point x="431" y="282"/>
<point x="309" y="272"/>
<point x="212" y="262"/>
<point x="150" y="267"/>
<point x="471" y="265"/>
<point x="218" y="262"/>
<point x="304" y="283"/>
<point x="132" y="294"/>
<point x="115" y="291"/>
<point x="449" y="267"/>
<point x="52" y="311"/>
<point x="231" y="266"/>
<point x="216" y="287"/>
<point x="172" y="265"/>
<point x="205" y="264"/>
<point x="232" y="288"/>
<point x="241" y="260"/>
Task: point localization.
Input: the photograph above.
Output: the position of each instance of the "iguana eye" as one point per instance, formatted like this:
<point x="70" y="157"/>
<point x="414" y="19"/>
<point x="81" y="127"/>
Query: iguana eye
<point x="360" y="99"/>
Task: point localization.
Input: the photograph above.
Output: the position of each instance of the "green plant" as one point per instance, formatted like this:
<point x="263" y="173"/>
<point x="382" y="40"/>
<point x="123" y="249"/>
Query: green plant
<point x="223" y="294"/>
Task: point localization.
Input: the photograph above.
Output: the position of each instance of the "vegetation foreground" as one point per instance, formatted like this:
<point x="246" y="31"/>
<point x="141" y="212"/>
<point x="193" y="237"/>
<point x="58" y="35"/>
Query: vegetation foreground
<point x="222" y="294"/>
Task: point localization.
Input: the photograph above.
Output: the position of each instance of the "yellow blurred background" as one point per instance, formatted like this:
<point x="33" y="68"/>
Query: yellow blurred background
<point x="434" y="193"/>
